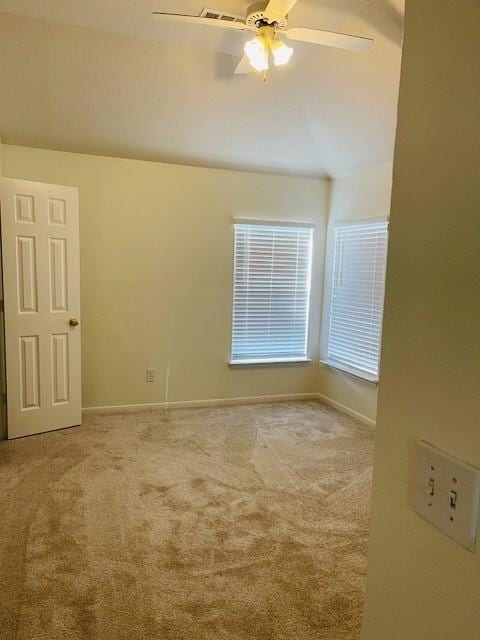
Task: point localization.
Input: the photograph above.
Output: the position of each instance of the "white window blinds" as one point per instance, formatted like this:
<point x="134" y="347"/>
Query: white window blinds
<point x="356" y="311"/>
<point x="271" y="292"/>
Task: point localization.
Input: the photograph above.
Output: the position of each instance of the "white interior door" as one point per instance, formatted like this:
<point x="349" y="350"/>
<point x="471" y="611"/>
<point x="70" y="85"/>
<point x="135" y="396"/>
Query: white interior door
<point x="41" y="274"/>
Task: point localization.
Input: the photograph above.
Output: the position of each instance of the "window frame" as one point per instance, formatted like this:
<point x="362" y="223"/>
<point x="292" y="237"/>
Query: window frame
<point x="274" y="361"/>
<point x="350" y="370"/>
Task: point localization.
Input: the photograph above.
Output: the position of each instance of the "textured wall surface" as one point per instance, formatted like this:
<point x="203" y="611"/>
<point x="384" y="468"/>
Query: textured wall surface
<point x="156" y="272"/>
<point x="353" y="198"/>
<point x="421" y="585"/>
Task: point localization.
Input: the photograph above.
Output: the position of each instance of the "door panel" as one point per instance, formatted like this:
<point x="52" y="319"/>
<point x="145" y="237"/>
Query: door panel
<point x="60" y="375"/>
<point x="40" y="251"/>
<point x="58" y="274"/>
<point x="29" y="373"/>
<point x="27" y="276"/>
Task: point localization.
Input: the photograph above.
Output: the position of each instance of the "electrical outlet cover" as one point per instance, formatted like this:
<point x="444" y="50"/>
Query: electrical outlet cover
<point x="447" y="494"/>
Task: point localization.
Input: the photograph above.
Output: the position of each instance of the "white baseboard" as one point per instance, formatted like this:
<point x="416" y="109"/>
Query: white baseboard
<point x="199" y="404"/>
<point x="230" y="402"/>
<point x="344" y="409"/>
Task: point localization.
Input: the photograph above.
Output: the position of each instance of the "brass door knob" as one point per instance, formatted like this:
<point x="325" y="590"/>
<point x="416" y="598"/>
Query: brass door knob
<point x="73" y="322"/>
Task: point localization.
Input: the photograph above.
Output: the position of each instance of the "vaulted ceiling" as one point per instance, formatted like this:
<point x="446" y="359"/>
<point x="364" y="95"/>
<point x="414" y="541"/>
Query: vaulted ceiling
<point x="101" y="76"/>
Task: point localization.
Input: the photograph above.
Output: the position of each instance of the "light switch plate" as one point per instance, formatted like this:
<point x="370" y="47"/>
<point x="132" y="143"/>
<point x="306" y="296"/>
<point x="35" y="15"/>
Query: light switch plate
<point x="447" y="494"/>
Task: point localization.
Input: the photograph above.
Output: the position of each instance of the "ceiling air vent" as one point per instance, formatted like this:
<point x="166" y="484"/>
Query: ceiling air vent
<point x="213" y="14"/>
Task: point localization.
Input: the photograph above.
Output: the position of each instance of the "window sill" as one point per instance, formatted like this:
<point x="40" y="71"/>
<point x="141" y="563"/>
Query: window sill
<point x="269" y="362"/>
<point x="351" y="371"/>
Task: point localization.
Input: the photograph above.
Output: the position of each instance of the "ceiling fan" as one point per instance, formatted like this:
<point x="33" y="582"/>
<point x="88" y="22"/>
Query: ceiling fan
<point x="269" y="21"/>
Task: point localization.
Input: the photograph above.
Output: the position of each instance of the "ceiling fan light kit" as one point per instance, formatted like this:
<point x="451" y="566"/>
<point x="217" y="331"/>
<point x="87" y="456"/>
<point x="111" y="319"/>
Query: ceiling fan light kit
<point x="265" y="43"/>
<point x="281" y="52"/>
<point x="256" y="51"/>
<point x="269" y="20"/>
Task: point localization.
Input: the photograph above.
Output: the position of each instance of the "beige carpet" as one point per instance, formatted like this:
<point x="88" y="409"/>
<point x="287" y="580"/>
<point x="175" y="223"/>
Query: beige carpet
<point x="244" y="523"/>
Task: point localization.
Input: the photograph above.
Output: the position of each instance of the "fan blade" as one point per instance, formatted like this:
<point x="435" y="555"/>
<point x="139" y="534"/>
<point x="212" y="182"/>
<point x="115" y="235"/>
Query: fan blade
<point x="279" y="9"/>
<point x="243" y="67"/>
<point x="329" y="39"/>
<point x="208" y="22"/>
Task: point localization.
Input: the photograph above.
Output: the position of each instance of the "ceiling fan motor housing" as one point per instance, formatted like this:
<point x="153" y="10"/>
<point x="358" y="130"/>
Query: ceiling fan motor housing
<point x="256" y="17"/>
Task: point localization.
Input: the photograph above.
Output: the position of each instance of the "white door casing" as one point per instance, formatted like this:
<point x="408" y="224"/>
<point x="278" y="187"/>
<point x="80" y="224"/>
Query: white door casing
<point x="41" y="274"/>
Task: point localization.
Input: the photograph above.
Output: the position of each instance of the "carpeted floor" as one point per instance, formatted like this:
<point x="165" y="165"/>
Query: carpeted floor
<point x="240" y="523"/>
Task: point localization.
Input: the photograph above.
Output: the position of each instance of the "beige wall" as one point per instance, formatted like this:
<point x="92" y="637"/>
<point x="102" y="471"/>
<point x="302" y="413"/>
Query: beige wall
<point x="356" y="197"/>
<point x="3" y="407"/>
<point x="421" y="585"/>
<point x="156" y="270"/>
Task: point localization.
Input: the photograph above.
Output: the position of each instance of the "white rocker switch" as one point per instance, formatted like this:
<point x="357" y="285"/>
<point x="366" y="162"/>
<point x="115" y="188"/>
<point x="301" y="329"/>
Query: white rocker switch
<point x="447" y="494"/>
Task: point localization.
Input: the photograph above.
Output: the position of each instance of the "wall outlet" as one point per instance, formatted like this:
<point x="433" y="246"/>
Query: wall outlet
<point x="150" y="375"/>
<point x="447" y="494"/>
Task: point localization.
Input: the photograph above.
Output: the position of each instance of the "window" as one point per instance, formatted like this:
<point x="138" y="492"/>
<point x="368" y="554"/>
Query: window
<point x="358" y="289"/>
<point x="271" y="292"/>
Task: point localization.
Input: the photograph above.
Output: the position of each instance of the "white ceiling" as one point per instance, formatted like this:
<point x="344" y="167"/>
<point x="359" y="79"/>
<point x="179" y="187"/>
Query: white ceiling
<point x="100" y="76"/>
